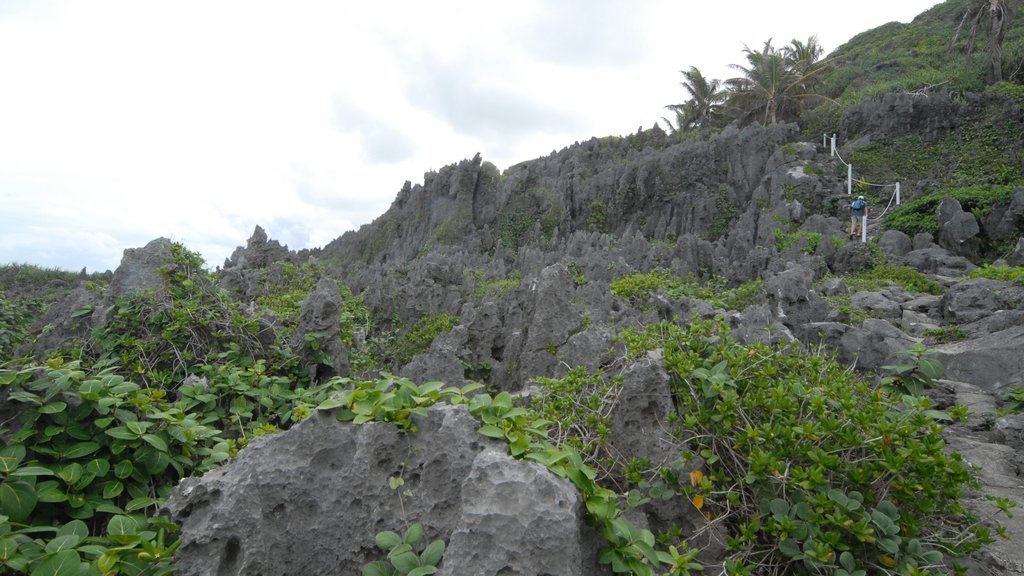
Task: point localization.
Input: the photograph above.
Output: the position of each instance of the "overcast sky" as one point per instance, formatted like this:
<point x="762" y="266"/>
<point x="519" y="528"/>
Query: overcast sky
<point x="125" y="120"/>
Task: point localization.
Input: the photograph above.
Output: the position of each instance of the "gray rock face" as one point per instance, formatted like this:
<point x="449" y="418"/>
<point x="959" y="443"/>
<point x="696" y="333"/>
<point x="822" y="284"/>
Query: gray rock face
<point x="1002" y="223"/>
<point x="317" y="336"/>
<point x="958" y="230"/>
<point x="877" y="304"/>
<point x="442" y="362"/>
<point x="939" y="261"/>
<point x="639" y="418"/>
<point x="978" y="298"/>
<point x="555" y="319"/>
<point x="139" y="270"/>
<point x="895" y="243"/>
<point x="991" y="362"/>
<point x="1016" y="258"/>
<point x="310" y="500"/>
<point x="516" y="519"/>
<point x="874" y="344"/>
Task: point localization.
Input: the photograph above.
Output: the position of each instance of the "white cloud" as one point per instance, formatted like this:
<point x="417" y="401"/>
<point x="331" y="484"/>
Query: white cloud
<point x="125" y="120"/>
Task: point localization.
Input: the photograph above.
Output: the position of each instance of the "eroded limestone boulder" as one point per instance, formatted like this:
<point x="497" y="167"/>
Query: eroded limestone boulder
<point x="312" y="499"/>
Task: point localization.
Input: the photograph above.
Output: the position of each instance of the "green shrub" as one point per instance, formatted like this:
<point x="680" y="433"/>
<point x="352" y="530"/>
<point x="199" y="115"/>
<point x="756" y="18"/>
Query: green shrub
<point x="16" y="317"/>
<point x="580" y="406"/>
<point x="809" y="468"/>
<point x="91" y="457"/>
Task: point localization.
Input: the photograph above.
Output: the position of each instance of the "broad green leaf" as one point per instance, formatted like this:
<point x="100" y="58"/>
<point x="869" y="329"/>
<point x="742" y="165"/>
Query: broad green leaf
<point x="64" y="563"/>
<point x="779" y="508"/>
<point x="932" y="556"/>
<point x="10" y="457"/>
<point x="378" y="568"/>
<point x="140" y="503"/>
<point x="790" y="549"/>
<point x="123" y="529"/>
<point x="388" y="540"/>
<point x="53" y="408"/>
<point x="492" y="431"/>
<point x="81" y="449"/>
<point x="121" y="433"/>
<point x="405" y="562"/>
<point x="124" y="388"/>
<point x="138" y="428"/>
<point x="75" y="527"/>
<point x="154" y="461"/>
<point x="17" y="499"/>
<point x="32" y="471"/>
<point x="602" y="508"/>
<point x="71" y="473"/>
<point x="124" y="469"/>
<point x="8" y="547"/>
<point x="648" y="551"/>
<point x="931" y="368"/>
<point x="156" y="442"/>
<point x="414" y="534"/>
<point x="112" y="489"/>
<point x="423" y="571"/>
<point x="99" y="467"/>
<point x="63" y="542"/>
<point x="847" y="562"/>
<point x="432" y="554"/>
<point x="50" y="491"/>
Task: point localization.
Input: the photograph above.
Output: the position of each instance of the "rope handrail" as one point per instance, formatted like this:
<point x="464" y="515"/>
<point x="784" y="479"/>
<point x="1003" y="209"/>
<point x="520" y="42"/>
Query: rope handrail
<point x="849" y="187"/>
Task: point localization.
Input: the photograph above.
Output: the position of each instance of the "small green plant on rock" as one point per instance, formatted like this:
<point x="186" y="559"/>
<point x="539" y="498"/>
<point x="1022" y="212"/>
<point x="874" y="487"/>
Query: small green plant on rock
<point x="403" y="560"/>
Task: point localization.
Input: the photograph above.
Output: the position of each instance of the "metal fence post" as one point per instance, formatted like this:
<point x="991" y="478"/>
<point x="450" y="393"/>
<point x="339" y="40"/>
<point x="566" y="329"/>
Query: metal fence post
<point x="849" y="179"/>
<point x="897" y="193"/>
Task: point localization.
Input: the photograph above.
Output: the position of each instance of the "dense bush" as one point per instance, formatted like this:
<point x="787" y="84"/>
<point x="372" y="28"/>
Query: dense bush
<point x="810" y="468"/>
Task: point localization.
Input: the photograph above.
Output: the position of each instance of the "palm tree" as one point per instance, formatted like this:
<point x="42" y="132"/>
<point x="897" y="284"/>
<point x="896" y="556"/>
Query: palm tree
<point x="776" y="81"/>
<point x="763" y="85"/>
<point x="805" y="60"/>
<point x="704" y="108"/>
<point x="994" y="17"/>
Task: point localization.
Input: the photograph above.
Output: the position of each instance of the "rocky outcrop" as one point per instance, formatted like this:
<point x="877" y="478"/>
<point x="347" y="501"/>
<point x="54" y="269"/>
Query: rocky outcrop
<point x="310" y="500"/>
<point x="317" y="337"/>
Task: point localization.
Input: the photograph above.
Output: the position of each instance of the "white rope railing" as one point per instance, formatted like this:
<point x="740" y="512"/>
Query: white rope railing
<point x="830" y="142"/>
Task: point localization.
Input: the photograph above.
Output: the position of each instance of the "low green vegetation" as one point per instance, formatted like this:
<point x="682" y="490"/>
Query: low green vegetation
<point x="638" y="287"/>
<point x="918" y="215"/>
<point x="808" y="240"/>
<point x="500" y="286"/>
<point x="945" y="335"/>
<point x="16" y="318"/>
<point x="885" y="274"/>
<point x="1004" y="273"/>
<point x="579" y="407"/>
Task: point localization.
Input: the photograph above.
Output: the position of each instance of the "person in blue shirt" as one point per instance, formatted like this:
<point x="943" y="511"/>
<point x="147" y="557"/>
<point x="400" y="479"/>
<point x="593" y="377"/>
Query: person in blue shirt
<point x="858" y="210"/>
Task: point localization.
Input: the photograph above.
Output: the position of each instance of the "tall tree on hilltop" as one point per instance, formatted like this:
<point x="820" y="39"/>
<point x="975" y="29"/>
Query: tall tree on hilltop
<point x="704" y="107"/>
<point x="805" y="60"/>
<point x="763" y="85"/>
<point x="776" y="81"/>
<point x="993" y="17"/>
